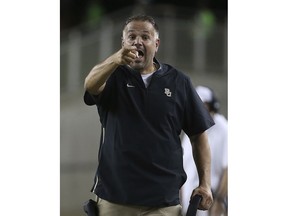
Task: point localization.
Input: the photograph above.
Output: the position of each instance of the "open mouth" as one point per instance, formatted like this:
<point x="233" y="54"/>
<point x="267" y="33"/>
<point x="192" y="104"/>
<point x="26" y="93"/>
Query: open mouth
<point x="140" y="53"/>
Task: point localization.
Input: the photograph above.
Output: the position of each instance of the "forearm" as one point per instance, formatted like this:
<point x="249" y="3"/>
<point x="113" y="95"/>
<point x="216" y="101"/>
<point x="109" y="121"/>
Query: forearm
<point x="202" y="158"/>
<point x="96" y="79"/>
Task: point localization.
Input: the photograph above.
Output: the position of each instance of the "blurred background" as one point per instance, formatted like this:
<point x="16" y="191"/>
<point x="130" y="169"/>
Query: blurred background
<point x="193" y="38"/>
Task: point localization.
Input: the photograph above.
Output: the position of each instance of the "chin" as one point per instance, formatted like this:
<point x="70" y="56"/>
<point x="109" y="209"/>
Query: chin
<point x="137" y="66"/>
<point x="137" y="69"/>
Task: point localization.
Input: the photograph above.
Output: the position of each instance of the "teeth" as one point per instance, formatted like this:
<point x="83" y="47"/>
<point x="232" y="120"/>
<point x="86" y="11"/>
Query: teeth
<point x="140" y="53"/>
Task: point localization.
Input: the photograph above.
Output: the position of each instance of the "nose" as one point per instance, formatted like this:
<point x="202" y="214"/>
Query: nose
<point x="138" y="41"/>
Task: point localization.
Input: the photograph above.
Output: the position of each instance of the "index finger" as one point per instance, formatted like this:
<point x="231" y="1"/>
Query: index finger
<point x="129" y="48"/>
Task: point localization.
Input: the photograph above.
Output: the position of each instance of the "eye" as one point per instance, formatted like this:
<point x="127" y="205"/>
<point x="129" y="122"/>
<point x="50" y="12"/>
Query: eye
<point x="131" y="37"/>
<point x="145" y="37"/>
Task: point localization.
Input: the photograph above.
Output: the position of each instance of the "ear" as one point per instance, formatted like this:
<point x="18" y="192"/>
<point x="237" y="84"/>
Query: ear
<point x="122" y="41"/>
<point x="157" y="44"/>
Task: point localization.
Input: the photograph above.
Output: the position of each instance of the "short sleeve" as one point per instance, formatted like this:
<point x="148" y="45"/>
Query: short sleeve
<point x="89" y="99"/>
<point x="197" y="119"/>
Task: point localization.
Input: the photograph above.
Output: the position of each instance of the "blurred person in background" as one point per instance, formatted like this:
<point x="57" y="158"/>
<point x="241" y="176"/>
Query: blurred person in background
<point x="143" y="105"/>
<point x="218" y="140"/>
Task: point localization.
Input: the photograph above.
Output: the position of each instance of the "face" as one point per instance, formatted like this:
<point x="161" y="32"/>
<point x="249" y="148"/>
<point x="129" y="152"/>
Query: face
<point x="143" y="36"/>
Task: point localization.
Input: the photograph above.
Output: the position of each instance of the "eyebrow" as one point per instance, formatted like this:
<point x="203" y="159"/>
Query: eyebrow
<point x="141" y="31"/>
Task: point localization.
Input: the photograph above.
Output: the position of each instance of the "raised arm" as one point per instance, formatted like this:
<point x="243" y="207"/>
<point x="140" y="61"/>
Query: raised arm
<point x="96" y="79"/>
<point x="202" y="158"/>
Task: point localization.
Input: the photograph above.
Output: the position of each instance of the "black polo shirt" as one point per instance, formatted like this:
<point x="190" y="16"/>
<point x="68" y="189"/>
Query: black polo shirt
<point x="141" y="156"/>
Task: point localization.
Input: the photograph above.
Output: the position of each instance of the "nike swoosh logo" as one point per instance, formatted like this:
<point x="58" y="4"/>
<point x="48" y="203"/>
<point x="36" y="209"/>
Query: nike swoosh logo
<point x="130" y="86"/>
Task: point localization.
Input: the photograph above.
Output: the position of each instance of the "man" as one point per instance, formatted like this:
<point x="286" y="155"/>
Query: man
<point x="218" y="140"/>
<point x="143" y="106"/>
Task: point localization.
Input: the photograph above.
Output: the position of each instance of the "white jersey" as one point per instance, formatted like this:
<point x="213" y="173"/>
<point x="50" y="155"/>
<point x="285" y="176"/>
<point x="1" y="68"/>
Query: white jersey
<point x="218" y="140"/>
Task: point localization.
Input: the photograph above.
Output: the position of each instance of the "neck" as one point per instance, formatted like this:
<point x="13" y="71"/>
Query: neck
<point x="151" y="69"/>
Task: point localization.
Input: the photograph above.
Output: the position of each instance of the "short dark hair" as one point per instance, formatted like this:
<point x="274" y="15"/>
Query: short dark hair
<point x="144" y="18"/>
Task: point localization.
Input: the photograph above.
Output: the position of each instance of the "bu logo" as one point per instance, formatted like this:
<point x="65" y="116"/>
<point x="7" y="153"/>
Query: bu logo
<point x="167" y="92"/>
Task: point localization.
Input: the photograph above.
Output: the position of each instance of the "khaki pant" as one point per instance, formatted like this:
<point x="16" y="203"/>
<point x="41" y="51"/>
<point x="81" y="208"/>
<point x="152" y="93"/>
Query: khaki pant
<point x="111" y="209"/>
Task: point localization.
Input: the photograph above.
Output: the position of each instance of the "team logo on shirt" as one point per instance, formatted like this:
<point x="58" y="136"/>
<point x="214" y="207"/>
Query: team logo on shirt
<point x="130" y="86"/>
<point x="167" y="92"/>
